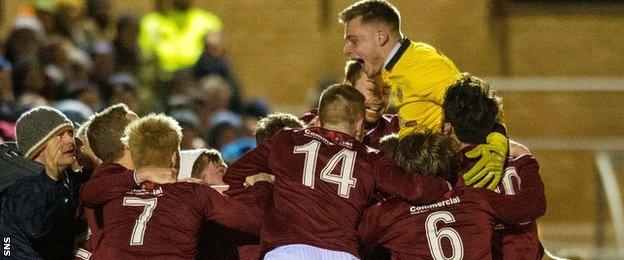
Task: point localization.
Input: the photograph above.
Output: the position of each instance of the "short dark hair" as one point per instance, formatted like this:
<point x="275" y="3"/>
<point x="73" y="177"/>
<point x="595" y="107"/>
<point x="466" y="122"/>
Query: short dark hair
<point x="340" y="104"/>
<point x="353" y="71"/>
<point x="269" y="125"/>
<point x="471" y="108"/>
<point x="105" y="132"/>
<point x="428" y="153"/>
<point x="373" y="11"/>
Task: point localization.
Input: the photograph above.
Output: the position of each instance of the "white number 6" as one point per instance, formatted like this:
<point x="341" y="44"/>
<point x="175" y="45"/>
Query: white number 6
<point x="435" y="235"/>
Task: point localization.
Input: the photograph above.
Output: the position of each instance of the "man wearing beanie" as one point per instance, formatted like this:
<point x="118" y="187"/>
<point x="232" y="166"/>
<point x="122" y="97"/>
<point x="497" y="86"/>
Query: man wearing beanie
<point x="38" y="212"/>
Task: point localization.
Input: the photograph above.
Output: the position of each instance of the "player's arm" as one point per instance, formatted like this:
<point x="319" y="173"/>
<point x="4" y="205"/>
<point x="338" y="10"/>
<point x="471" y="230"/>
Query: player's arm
<point x="101" y="190"/>
<point x="369" y="230"/>
<point x="232" y="213"/>
<point x="252" y="162"/>
<point x="528" y="204"/>
<point x="419" y="189"/>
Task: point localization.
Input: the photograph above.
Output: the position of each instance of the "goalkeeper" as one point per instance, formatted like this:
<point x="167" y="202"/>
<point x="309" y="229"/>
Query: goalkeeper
<point x="418" y="75"/>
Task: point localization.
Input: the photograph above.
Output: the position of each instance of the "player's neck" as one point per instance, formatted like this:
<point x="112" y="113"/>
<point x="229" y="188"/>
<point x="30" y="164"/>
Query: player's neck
<point x="126" y="160"/>
<point x="341" y="128"/>
<point x="392" y="42"/>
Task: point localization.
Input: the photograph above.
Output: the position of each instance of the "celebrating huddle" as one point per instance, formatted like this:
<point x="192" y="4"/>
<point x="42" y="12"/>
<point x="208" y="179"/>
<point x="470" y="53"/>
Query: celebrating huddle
<point x="438" y="180"/>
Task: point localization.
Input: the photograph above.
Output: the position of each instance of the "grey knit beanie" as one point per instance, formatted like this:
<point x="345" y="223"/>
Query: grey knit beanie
<point x="35" y="127"/>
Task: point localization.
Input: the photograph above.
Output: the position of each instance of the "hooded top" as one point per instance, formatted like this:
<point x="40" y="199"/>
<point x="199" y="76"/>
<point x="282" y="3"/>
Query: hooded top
<point x="187" y="159"/>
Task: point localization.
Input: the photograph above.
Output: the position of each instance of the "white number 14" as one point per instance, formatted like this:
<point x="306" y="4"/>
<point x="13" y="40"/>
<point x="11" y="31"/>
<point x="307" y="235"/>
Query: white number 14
<point x="344" y="180"/>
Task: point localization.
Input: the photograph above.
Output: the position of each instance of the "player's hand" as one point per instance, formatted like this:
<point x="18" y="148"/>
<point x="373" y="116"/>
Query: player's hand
<point x="52" y="154"/>
<point x="489" y="169"/>
<point x="251" y="180"/>
<point x="156" y="175"/>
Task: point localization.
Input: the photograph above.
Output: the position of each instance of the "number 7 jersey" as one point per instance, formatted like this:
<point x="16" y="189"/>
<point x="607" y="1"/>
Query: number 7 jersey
<point x="323" y="181"/>
<point x="161" y="222"/>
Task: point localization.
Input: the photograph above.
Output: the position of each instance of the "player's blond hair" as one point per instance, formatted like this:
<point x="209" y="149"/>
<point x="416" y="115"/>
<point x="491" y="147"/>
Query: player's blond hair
<point x="152" y="140"/>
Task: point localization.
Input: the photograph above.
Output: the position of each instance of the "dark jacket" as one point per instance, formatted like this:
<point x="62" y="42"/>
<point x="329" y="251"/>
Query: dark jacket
<point x="38" y="215"/>
<point x="13" y="166"/>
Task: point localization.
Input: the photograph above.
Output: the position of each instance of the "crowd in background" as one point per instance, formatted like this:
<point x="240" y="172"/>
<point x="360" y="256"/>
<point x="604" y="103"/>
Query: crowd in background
<point x="80" y="57"/>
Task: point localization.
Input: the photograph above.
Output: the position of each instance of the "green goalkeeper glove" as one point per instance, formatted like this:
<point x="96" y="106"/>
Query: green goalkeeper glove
<point x="489" y="169"/>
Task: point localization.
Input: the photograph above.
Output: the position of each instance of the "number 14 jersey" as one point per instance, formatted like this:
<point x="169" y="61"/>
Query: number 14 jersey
<point x="323" y="181"/>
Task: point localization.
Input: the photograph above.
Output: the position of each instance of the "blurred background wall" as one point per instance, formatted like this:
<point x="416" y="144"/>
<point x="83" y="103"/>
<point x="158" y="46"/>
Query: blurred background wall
<point x="557" y="65"/>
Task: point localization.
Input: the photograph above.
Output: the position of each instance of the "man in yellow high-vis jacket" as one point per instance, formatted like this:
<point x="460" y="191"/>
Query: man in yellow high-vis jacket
<point x="418" y="75"/>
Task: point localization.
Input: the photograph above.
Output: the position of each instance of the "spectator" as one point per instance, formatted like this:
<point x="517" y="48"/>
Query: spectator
<point x="103" y="67"/>
<point x="214" y="62"/>
<point x="85" y="93"/>
<point x="126" y="44"/>
<point x="57" y="65"/>
<point x="124" y="90"/>
<point x="38" y="212"/>
<point x="97" y="24"/>
<point x="252" y="112"/>
<point x="29" y="77"/>
<point x="189" y="121"/>
<point x="214" y="99"/>
<point x="175" y="38"/>
<point x="179" y="90"/>
<point x="66" y="24"/>
<point x="7" y="95"/>
<point x="22" y="43"/>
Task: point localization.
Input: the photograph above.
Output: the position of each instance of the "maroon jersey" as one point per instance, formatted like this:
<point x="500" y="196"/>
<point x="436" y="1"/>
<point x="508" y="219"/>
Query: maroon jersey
<point x="94" y="215"/>
<point x="387" y="124"/>
<point x="459" y="227"/>
<point x="323" y="181"/>
<point x="521" y="179"/>
<point x="160" y="222"/>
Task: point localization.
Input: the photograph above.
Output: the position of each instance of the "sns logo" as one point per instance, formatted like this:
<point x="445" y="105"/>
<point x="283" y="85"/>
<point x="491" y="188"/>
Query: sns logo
<point x="6" y="246"/>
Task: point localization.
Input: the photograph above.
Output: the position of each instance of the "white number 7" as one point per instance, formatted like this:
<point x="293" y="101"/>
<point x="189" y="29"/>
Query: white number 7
<point x="140" y="224"/>
<point x="345" y="180"/>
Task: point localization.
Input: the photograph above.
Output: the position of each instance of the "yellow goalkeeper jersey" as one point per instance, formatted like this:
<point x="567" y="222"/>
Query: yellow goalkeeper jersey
<point x="419" y="75"/>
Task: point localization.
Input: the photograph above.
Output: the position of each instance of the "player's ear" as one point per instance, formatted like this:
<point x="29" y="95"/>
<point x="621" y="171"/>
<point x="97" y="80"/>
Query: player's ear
<point x="359" y="128"/>
<point x="382" y="37"/>
<point x="175" y="160"/>
<point x="447" y="128"/>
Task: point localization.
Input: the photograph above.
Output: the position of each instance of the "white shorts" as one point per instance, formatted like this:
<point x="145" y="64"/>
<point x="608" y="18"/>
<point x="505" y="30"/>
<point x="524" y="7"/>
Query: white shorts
<point x="302" y="251"/>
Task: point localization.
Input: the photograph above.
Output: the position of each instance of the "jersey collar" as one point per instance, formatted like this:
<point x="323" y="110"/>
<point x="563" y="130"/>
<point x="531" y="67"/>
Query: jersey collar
<point x="396" y="53"/>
